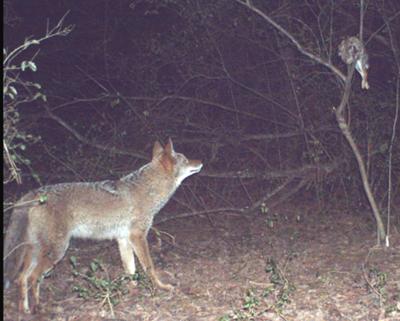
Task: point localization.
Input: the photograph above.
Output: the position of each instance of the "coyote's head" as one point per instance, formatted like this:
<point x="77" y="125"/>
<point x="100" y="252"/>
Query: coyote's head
<point x="176" y="164"/>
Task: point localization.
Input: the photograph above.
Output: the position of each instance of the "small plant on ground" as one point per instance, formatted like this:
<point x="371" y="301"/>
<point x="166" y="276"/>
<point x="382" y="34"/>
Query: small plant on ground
<point x="272" y="298"/>
<point x="376" y="282"/>
<point x="281" y="287"/>
<point x="95" y="283"/>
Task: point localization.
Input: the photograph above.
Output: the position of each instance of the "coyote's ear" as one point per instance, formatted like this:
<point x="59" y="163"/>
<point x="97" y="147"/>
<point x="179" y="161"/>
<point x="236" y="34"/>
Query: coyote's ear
<point x="157" y="149"/>
<point x="169" y="148"/>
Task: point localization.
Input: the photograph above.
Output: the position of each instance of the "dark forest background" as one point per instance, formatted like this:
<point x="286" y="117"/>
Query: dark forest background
<point x="85" y="98"/>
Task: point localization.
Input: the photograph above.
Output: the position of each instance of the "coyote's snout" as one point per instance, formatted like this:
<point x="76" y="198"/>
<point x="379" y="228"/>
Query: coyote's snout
<point x="40" y="232"/>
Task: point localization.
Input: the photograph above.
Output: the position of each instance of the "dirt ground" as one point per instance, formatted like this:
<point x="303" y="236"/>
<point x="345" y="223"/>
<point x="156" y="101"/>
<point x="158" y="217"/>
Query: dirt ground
<point x="292" y="263"/>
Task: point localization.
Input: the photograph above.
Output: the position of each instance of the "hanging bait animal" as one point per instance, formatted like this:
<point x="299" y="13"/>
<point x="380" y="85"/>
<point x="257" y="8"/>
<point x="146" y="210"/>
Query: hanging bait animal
<point x="352" y="50"/>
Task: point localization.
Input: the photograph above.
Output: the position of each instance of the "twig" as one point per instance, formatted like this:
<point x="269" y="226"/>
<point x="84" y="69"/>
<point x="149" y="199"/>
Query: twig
<point x="58" y="30"/>
<point x="11" y="164"/>
<point x="255" y="206"/>
<point x="79" y="137"/>
<point x="321" y="61"/>
<point x="15" y="248"/>
<point x="205" y="212"/>
<point x="20" y="204"/>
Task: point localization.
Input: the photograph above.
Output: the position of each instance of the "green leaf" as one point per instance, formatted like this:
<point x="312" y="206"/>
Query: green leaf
<point x="24" y="64"/>
<point x="13" y="90"/>
<point x="72" y="260"/>
<point x="42" y="198"/>
<point x="94" y="266"/>
<point x="32" y="66"/>
<point x="40" y="95"/>
<point x="28" y="64"/>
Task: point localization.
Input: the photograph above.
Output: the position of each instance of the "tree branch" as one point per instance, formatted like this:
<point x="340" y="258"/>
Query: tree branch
<point x="82" y="139"/>
<point x="321" y="61"/>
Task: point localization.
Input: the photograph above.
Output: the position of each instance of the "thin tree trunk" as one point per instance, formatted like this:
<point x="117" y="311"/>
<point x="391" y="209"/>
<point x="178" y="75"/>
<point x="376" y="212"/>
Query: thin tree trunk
<point x="347" y="134"/>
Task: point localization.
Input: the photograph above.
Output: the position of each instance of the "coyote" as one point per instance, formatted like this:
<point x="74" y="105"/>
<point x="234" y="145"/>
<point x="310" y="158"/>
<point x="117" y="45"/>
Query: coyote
<point x="44" y="220"/>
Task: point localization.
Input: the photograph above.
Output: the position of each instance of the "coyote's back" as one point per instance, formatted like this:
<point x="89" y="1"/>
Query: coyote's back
<point x="44" y="221"/>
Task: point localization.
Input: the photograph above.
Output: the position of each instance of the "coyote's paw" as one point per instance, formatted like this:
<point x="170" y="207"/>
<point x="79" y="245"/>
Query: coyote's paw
<point x="133" y="284"/>
<point x="24" y="308"/>
<point x="133" y="287"/>
<point x="163" y="286"/>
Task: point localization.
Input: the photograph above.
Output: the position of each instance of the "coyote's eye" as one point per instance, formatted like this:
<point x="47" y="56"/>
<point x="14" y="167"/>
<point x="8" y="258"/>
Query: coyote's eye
<point x="182" y="159"/>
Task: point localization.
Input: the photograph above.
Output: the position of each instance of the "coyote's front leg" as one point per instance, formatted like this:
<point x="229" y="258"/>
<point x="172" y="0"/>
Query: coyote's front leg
<point x="127" y="257"/>
<point x="141" y="248"/>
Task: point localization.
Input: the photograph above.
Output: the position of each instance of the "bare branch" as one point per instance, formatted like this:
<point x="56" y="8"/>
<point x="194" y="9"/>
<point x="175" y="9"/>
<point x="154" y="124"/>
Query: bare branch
<point x="58" y="30"/>
<point x="81" y="138"/>
<point x="305" y="171"/>
<point x="321" y="61"/>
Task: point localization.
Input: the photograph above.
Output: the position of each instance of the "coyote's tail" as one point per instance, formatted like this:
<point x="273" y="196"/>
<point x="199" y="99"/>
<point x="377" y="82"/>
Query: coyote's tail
<point x="14" y="243"/>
